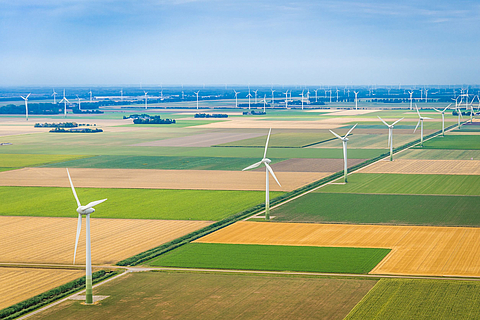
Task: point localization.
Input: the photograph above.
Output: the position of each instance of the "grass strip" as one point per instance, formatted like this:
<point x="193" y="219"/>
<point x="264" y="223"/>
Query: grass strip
<point x="49" y="296"/>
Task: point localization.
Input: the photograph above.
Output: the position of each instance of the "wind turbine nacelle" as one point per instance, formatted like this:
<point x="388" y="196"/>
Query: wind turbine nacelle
<point x="84" y="211"/>
<point x="267" y="161"/>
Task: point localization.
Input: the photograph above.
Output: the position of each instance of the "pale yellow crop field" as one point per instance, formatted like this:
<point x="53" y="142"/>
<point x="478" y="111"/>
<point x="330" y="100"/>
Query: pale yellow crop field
<point x="19" y="284"/>
<point x="258" y="123"/>
<point x="432" y="251"/>
<point x="52" y="240"/>
<point x="407" y="166"/>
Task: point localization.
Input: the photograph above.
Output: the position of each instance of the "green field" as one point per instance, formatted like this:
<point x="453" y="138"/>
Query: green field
<point x="390" y="209"/>
<point x="129" y="203"/>
<point x="419" y="299"/>
<point x="30" y="160"/>
<point x="459" y="142"/>
<point x="162" y="295"/>
<point x="439" y="154"/>
<point x="273" y="258"/>
<point x="408" y="184"/>
<point x="177" y="124"/>
<point x="283" y="140"/>
<point x="160" y="162"/>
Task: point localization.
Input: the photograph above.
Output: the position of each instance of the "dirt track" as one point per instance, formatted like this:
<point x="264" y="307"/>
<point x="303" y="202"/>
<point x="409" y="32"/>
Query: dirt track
<point x="407" y="166"/>
<point x="433" y="251"/>
<point x="156" y="179"/>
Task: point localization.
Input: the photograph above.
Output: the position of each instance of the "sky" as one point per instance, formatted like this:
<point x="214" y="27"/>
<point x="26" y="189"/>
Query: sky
<point x="218" y="42"/>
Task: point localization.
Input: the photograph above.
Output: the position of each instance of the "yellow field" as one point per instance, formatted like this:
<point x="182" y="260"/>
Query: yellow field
<point x="19" y="284"/>
<point x="52" y="240"/>
<point x="258" y="123"/>
<point x="470" y="167"/>
<point x="432" y="251"/>
<point x="156" y="179"/>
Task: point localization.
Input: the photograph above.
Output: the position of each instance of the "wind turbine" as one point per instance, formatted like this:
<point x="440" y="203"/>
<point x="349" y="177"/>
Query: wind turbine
<point x="330" y="96"/>
<point x="121" y="94"/>
<point x="356" y="99"/>
<point x="146" y="99"/>
<point x="90" y="95"/>
<point x="249" y="96"/>
<point x="344" y="141"/>
<point x="255" y="95"/>
<point x="420" y="120"/>
<point x="273" y="98"/>
<point x="85" y="210"/>
<point x="411" y="100"/>
<point x="286" y="99"/>
<point x="443" y="117"/>
<point x="302" y="98"/>
<point x="64" y="100"/>
<point x="390" y="135"/>
<point x="426" y="95"/>
<point x="337" y="93"/>
<point x="197" y="97"/>
<point x="316" y="99"/>
<point x="268" y="169"/>
<point x="54" y="94"/>
<point x="236" y="101"/>
<point x="79" y="103"/>
<point x="264" y="102"/>
<point x="26" y="105"/>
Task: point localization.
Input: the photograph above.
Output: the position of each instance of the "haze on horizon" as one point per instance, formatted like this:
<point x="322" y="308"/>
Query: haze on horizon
<point x="215" y="42"/>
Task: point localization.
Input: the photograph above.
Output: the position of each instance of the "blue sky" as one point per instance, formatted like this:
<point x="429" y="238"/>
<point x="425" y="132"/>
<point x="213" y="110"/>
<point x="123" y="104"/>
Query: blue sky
<point x="101" y="42"/>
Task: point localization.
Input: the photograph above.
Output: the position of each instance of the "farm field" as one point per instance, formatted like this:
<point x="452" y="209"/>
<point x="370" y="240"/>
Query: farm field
<point x="257" y="123"/>
<point x="382" y="183"/>
<point x="31" y="160"/>
<point x="156" y="179"/>
<point x="407" y="166"/>
<point x="385" y="209"/>
<point x="273" y="258"/>
<point x="439" y="154"/>
<point x="19" y="284"/>
<point x="201" y="140"/>
<point x="405" y="124"/>
<point x="208" y="205"/>
<point x="419" y="299"/>
<point x="368" y="141"/>
<point x="52" y="240"/>
<point x="458" y="142"/>
<point x="428" y="251"/>
<point x="311" y="165"/>
<point x="217" y="296"/>
<point x="283" y="140"/>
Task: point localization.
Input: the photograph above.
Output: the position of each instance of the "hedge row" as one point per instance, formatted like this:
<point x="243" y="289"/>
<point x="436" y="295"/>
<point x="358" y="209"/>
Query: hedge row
<point x="45" y="298"/>
<point x="157" y="251"/>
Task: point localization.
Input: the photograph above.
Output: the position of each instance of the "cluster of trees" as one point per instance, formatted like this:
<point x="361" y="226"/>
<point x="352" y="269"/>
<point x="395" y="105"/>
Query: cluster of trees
<point x="34" y="108"/>
<point x="213" y="115"/>
<point x="81" y="130"/>
<point x="153" y="120"/>
<point x="77" y="110"/>
<point x="253" y="112"/>
<point x="56" y="125"/>
<point x="464" y="113"/>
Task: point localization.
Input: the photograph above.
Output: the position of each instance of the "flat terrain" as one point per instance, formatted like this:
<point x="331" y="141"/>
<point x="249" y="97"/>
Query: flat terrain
<point x="156" y="179"/>
<point x="407" y="166"/>
<point x="212" y="296"/>
<point x="52" y="240"/>
<point x="257" y="123"/>
<point x="432" y="251"/>
<point x="311" y="165"/>
<point x="419" y="299"/>
<point x="19" y="284"/>
<point x="393" y="209"/>
<point x="283" y="140"/>
<point x="439" y="154"/>
<point x="368" y="141"/>
<point x="459" y="142"/>
<point x="383" y="183"/>
<point x="30" y="160"/>
<point x="276" y="258"/>
<point x="200" y="140"/>
<point x="129" y="203"/>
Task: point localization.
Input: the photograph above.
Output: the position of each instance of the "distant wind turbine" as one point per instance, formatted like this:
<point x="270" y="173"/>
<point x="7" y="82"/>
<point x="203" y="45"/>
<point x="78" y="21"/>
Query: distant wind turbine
<point x="301" y="94"/>
<point x="121" y="94"/>
<point x="356" y="99"/>
<point x="79" y="103"/>
<point x="86" y="211"/>
<point x="344" y="141"/>
<point x="411" y="100"/>
<point x="268" y="169"/>
<point x="249" y="96"/>
<point x="286" y="99"/>
<point x="197" y="97"/>
<point x="443" y="117"/>
<point x="64" y="100"/>
<point x="90" y="95"/>
<point x="54" y="94"/>
<point x="236" y="101"/>
<point x="264" y="102"/>
<point x="273" y="98"/>
<point x="316" y="99"/>
<point x="146" y="99"/>
<point x="26" y="104"/>
<point x="256" y="91"/>
<point x="390" y="135"/>
<point x="420" y="121"/>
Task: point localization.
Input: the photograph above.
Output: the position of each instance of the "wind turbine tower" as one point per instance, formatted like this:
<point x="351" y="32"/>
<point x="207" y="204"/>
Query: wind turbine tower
<point x="79" y="103"/>
<point x="264" y="102"/>
<point x="146" y="100"/>
<point x="302" y="98"/>
<point x="390" y="135"/>
<point x="411" y="99"/>
<point x="197" y="97"/>
<point x="64" y="100"/>
<point x="54" y="95"/>
<point x="420" y="121"/>
<point x="90" y="95"/>
<point x="26" y="105"/>
<point x="236" y="100"/>
<point x="356" y="99"/>
<point x="273" y="98"/>
<point x="344" y="141"/>
<point x="249" y="96"/>
<point x="443" y="118"/>
<point x="286" y="99"/>
<point x="256" y="91"/>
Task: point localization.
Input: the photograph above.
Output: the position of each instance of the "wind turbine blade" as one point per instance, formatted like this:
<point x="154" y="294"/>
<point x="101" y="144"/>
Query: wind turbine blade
<point x="336" y="135"/>
<point x="447" y="107"/>
<point x="416" y="108"/>
<point x="418" y="123"/>
<point x="266" y="144"/>
<point x="437" y="110"/>
<point x="73" y="189"/>
<point x="253" y="166"/>
<point x="383" y="121"/>
<point x="427" y="118"/>
<point x="397" y="121"/>
<point x="79" y="228"/>
<point x="273" y="174"/>
<point x="350" y="130"/>
<point x="28" y="95"/>
<point x="94" y="203"/>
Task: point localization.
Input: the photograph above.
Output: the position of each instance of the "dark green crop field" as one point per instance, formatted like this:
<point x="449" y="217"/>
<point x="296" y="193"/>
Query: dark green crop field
<point x="459" y="142"/>
<point x="375" y="208"/>
<point x="274" y="258"/>
<point x="419" y="299"/>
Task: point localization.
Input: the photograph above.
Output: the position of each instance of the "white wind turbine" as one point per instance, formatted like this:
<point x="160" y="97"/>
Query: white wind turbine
<point x="54" y="95"/>
<point x="301" y="94"/>
<point x="411" y="100"/>
<point x="426" y="95"/>
<point x="79" y="103"/>
<point x="90" y="95"/>
<point x="420" y="121"/>
<point x="264" y="102"/>
<point x="286" y="99"/>
<point x="268" y="169"/>
<point x="316" y="99"/>
<point x="273" y="98"/>
<point x="85" y="210"/>
<point x="390" y="135"/>
<point x="26" y="105"/>
<point x="344" y="141"/>
<point x="443" y="117"/>
<point x="356" y="99"/>
<point x="197" y="97"/>
<point x="249" y="96"/>
<point x="121" y="94"/>
<point x="64" y="100"/>
<point x="256" y="91"/>
<point x="146" y="99"/>
<point x="236" y="100"/>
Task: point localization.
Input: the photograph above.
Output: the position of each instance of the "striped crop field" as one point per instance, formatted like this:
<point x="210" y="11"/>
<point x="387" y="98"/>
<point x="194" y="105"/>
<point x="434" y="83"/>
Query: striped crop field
<point x="407" y="166"/>
<point x="283" y="140"/>
<point x="31" y="160"/>
<point x="432" y="251"/>
<point x="383" y="183"/>
<point x="419" y="299"/>
<point x="439" y="154"/>
<point x="458" y="142"/>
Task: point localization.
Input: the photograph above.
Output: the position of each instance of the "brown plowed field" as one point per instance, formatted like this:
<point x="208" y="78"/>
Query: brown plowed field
<point x="52" y="240"/>
<point x="407" y="166"/>
<point x="156" y="179"/>
<point x="19" y="284"/>
<point x="433" y="251"/>
<point x="311" y="165"/>
<point x="200" y="140"/>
